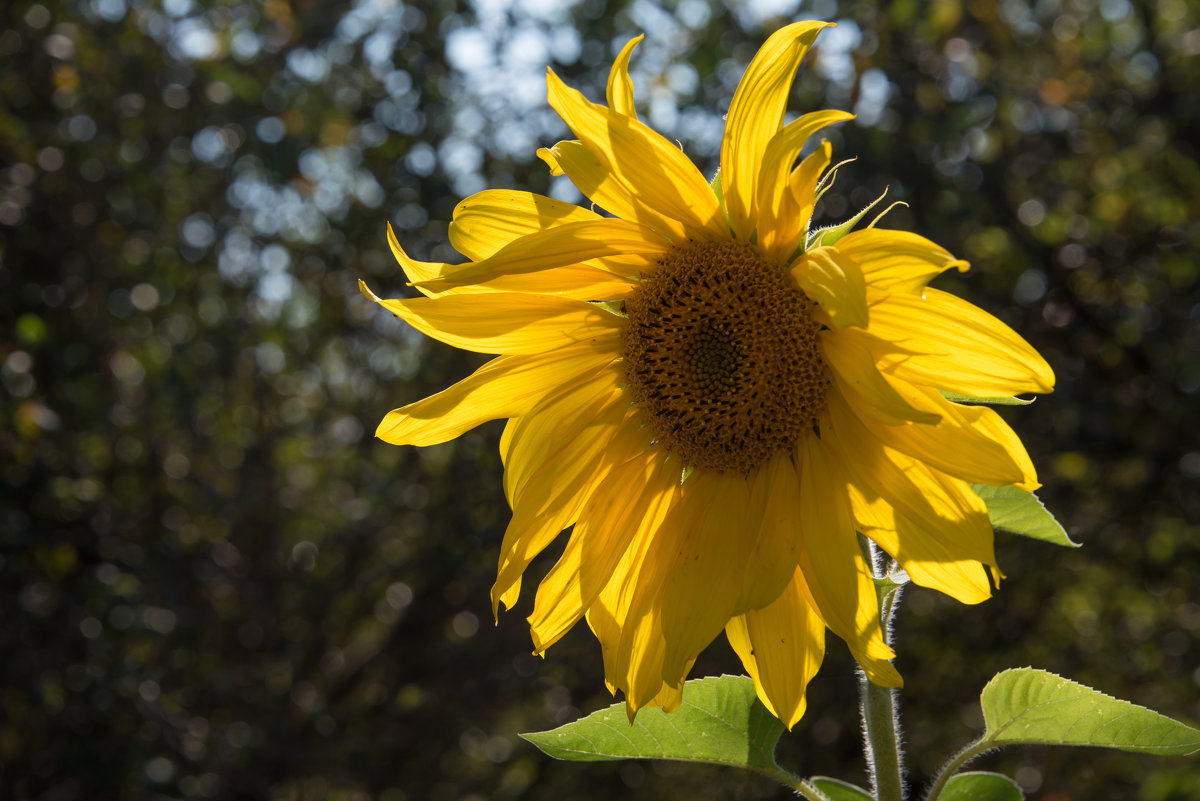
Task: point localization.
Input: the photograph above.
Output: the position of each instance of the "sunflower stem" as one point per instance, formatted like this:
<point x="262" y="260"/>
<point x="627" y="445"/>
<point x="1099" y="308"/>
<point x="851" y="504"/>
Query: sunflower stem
<point x="880" y="707"/>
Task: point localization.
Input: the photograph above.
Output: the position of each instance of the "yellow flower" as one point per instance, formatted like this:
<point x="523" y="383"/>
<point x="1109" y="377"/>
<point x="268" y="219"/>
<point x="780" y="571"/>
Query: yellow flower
<point x="715" y="398"/>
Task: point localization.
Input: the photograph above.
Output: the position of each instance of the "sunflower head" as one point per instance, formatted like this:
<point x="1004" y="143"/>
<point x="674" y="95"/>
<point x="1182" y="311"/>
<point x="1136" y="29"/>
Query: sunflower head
<point x="713" y="398"/>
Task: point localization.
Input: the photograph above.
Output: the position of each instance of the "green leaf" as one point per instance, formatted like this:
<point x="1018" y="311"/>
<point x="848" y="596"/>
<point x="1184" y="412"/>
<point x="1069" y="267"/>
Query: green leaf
<point x="1019" y="511"/>
<point x="838" y="790"/>
<point x="1036" y="707"/>
<point x="1001" y="401"/>
<point x="980" y="786"/>
<point x="721" y="722"/>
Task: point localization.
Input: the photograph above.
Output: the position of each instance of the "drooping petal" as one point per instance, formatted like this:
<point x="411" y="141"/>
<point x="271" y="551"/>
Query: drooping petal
<point x="705" y="578"/>
<point x="664" y="190"/>
<point x="555" y="480"/>
<point x="490" y="220"/>
<point x="778" y="220"/>
<point x="502" y="322"/>
<point x="897" y="261"/>
<point x="562" y="245"/>
<point x="955" y="567"/>
<point x="833" y="566"/>
<point x="857" y="377"/>
<point x="632" y="496"/>
<point x="620" y="87"/>
<point x="938" y="503"/>
<point x="576" y="281"/>
<point x="532" y="443"/>
<point x="507" y="386"/>
<point x="775" y="494"/>
<point x="803" y="181"/>
<point x="413" y="269"/>
<point x="781" y="646"/>
<point x="627" y="617"/>
<point x="835" y="283"/>
<point x="958" y="346"/>
<point x="756" y="114"/>
<point x="968" y="442"/>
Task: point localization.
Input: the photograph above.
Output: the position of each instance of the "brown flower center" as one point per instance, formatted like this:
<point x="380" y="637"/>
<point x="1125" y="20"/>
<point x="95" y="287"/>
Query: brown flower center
<point x="722" y="355"/>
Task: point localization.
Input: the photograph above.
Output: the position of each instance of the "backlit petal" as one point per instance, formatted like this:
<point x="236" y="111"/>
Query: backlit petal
<point x="968" y="442"/>
<point x="834" y="568"/>
<point x="953" y="566"/>
<point x="507" y="386"/>
<point x="942" y="505"/>
<point x="778" y="220"/>
<point x="835" y="283"/>
<point x="775" y="494"/>
<point x="502" y="322"/>
<point x="857" y="376"/>
<point x="489" y="220"/>
<point x="756" y="114"/>
<point x="705" y="577"/>
<point x="566" y="244"/>
<point x="620" y="88"/>
<point x="959" y="347"/>
<point x="667" y="191"/>
<point x="631" y="496"/>
<point x="897" y="261"/>
<point x="781" y="647"/>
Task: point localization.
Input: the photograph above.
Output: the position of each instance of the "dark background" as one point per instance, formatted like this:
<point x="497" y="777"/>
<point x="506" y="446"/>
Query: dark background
<point x="217" y="584"/>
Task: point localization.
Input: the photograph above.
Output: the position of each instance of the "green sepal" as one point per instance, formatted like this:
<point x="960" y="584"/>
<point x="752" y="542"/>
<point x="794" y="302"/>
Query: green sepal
<point x="720" y="722"/>
<point x="1004" y="400"/>
<point x="980" y="786"/>
<point x="1025" y="706"/>
<point x="1018" y="511"/>
<point x="824" y="237"/>
<point x="838" y="790"/>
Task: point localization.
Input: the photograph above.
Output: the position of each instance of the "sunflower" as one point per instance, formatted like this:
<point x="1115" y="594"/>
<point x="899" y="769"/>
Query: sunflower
<point x="716" y="399"/>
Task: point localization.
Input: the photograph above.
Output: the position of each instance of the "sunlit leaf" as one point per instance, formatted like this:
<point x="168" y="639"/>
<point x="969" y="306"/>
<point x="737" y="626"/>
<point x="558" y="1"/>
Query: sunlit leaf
<point x="720" y="722"/>
<point x="1019" y="511"/>
<point x="980" y="786"/>
<point x="1033" y="706"/>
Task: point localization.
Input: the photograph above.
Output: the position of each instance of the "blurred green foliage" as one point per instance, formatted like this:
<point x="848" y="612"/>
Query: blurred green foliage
<point x="218" y="585"/>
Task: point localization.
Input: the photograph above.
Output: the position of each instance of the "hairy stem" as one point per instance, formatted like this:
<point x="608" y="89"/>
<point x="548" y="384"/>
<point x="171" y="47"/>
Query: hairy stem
<point x="880" y="709"/>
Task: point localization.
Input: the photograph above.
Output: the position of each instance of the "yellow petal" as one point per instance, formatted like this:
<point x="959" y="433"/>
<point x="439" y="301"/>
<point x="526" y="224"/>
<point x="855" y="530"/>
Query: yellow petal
<point x="968" y="442"/>
<point x="556" y="482"/>
<point x="940" y="504"/>
<point x="803" y="180"/>
<point x="502" y="322"/>
<point x="577" y="281"/>
<point x="566" y="244"/>
<point x="959" y="347"/>
<point x="756" y="114"/>
<point x="626" y="621"/>
<point x="705" y="577"/>
<point x="413" y="269"/>
<point x="954" y="567"/>
<point x="856" y="375"/>
<point x="620" y="87"/>
<point x="507" y="386"/>
<point x="833" y="566"/>
<point x="835" y="283"/>
<point x="664" y="190"/>
<point x="631" y="496"/>
<point x="781" y="647"/>
<point x="779" y="224"/>
<point x="565" y="420"/>
<point x="489" y="220"/>
<point x="897" y="261"/>
<point x="775" y="491"/>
